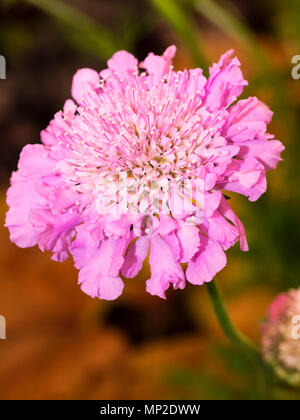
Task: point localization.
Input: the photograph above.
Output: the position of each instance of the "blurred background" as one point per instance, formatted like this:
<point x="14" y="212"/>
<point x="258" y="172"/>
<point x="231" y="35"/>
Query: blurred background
<point x="61" y="343"/>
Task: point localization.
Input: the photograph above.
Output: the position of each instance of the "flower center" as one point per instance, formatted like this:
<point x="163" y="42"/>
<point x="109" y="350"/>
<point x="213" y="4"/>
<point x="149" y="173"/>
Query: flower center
<point x="138" y="142"/>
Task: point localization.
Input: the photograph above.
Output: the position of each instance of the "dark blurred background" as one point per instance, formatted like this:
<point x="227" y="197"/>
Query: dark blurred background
<point x="60" y="342"/>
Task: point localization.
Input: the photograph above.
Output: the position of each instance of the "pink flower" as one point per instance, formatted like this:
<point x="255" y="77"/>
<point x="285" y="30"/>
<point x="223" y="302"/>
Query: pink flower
<point x="161" y="129"/>
<point x="280" y="336"/>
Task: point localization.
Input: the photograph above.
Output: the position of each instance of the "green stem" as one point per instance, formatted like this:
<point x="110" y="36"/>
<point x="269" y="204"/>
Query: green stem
<point x="237" y="338"/>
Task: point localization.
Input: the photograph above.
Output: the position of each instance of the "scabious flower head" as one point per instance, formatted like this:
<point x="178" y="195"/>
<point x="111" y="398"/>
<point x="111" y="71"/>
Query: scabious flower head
<point x="170" y="142"/>
<point x="280" y="336"/>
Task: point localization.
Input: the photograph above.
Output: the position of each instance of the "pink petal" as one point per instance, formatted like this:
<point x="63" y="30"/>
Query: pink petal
<point x="84" y="81"/>
<point x="35" y="163"/>
<point x="167" y="224"/>
<point x="55" y="231"/>
<point x="164" y="269"/>
<point x="69" y="108"/>
<point x="156" y="65"/>
<point x="247" y="120"/>
<point x="227" y="211"/>
<point x="220" y="230"/>
<point x="279" y="307"/>
<point x="136" y="253"/>
<point x="123" y="63"/>
<point x="208" y="261"/>
<point x="189" y="240"/>
<point x="246" y="177"/>
<point x="21" y="197"/>
<point x="211" y="202"/>
<point x="225" y="83"/>
<point x="100" y="276"/>
<point x="196" y="83"/>
<point x="24" y="195"/>
<point x="85" y="245"/>
<point x="173" y="243"/>
<point x="169" y="54"/>
<point x="266" y="151"/>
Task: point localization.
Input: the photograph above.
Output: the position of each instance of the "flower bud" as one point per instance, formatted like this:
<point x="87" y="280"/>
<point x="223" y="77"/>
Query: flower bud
<point x="280" y="336"/>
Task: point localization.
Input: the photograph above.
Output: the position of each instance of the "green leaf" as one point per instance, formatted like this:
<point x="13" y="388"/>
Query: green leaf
<point x="85" y="32"/>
